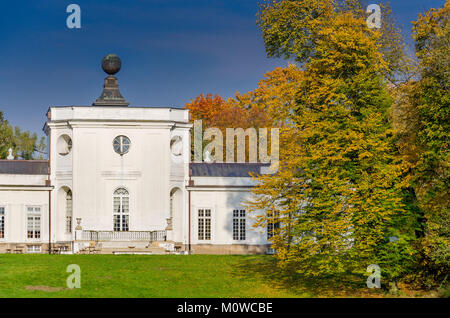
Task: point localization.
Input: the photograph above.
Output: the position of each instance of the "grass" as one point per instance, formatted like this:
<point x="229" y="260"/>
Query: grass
<point x="165" y="276"/>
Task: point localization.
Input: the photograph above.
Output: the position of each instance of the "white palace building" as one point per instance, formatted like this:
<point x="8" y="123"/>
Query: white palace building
<point x="119" y="179"/>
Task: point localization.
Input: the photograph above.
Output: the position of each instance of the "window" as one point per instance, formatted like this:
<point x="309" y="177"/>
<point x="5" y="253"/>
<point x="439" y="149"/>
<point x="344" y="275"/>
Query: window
<point x="121" y="210"/>
<point x="271" y="227"/>
<point x="204" y="224"/>
<point x="34" y="222"/>
<point x="239" y="225"/>
<point x="2" y="222"/>
<point x="171" y="206"/>
<point x="69" y="212"/>
<point x="121" y="144"/>
<point x="33" y="249"/>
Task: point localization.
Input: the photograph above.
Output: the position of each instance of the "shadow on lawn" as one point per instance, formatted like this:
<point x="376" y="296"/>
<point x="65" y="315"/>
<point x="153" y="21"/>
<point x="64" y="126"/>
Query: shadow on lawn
<point x="266" y="270"/>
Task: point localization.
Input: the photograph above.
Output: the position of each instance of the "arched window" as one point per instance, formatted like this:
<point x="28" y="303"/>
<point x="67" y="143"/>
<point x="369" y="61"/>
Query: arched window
<point x="69" y="212"/>
<point x="121" y="210"/>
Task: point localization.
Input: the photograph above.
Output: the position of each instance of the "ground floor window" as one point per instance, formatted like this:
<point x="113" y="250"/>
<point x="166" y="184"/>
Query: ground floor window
<point x="34" y="222"/>
<point x="204" y="224"/>
<point x="69" y="212"/>
<point x="33" y="249"/>
<point x="271" y="228"/>
<point x="2" y="222"/>
<point x="239" y="225"/>
<point x="121" y="210"/>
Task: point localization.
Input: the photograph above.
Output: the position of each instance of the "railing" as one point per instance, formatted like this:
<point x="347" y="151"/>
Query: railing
<point x="158" y="236"/>
<point x="149" y="236"/>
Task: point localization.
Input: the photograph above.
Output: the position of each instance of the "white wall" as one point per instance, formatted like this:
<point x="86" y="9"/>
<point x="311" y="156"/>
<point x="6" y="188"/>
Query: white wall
<point x="222" y="203"/>
<point x="16" y="203"/>
<point x="93" y="171"/>
<point x="22" y="179"/>
<point x="149" y="171"/>
<point x="98" y="171"/>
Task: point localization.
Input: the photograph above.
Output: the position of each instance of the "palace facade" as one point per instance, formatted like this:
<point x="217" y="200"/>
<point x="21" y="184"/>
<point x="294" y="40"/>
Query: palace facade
<point x="119" y="179"/>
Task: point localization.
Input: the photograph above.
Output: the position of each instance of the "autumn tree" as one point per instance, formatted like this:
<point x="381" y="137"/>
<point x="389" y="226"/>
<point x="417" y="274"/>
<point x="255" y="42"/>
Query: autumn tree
<point x="278" y="88"/>
<point x="289" y="31"/>
<point x="215" y="112"/>
<point x="430" y="100"/>
<point x="336" y="194"/>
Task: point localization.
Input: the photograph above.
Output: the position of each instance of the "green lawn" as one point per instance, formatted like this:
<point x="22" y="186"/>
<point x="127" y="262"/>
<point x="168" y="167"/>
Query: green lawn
<point x="159" y="276"/>
<point x="135" y="276"/>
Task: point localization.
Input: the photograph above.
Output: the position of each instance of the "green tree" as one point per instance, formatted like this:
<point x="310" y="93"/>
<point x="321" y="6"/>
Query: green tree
<point x="6" y="136"/>
<point x="431" y="101"/>
<point x="25" y="145"/>
<point x="290" y="30"/>
<point x="336" y="195"/>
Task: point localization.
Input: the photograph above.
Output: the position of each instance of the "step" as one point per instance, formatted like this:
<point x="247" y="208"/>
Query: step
<point x="123" y="245"/>
<point x="143" y="251"/>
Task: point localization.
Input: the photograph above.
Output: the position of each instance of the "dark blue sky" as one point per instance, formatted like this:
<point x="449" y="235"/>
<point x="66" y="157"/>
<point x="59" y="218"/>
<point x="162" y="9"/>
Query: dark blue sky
<point x="171" y="51"/>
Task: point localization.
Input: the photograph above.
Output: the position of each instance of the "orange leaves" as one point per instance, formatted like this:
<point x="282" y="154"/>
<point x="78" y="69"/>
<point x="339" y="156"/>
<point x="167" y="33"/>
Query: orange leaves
<point x="271" y="104"/>
<point x="206" y="108"/>
<point x="216" y="112"/>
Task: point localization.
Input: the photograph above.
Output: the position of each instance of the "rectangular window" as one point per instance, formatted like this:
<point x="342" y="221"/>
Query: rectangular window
<point x="68" y="224"/>
<point x="204" y="224"/>
<point x="69" y="212"/>
<point x="121" y="223"/>
<point x="33" y="249"/>
<point x="239" y="225"/>
<point x="2" y="222"/>
<point x="271" y="227"/>
<point x="121" y="211"/>
<point x="34" y="222"/>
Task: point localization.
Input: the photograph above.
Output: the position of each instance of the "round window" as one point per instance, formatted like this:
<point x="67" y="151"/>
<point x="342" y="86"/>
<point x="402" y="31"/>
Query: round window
<point x="121" y="145"/>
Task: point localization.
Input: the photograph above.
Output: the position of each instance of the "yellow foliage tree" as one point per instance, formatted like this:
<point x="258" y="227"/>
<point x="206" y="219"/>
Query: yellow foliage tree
<point x="335" y="197"/>
<point x="431" y="101"/>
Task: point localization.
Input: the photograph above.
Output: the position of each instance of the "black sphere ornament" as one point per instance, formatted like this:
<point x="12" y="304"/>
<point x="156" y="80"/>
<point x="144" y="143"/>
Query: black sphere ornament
<point x="111" y="64"/>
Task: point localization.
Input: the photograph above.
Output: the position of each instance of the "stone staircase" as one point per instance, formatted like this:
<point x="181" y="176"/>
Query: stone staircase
<point x="139" y="247"/>
<point x="136" y="251"/>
